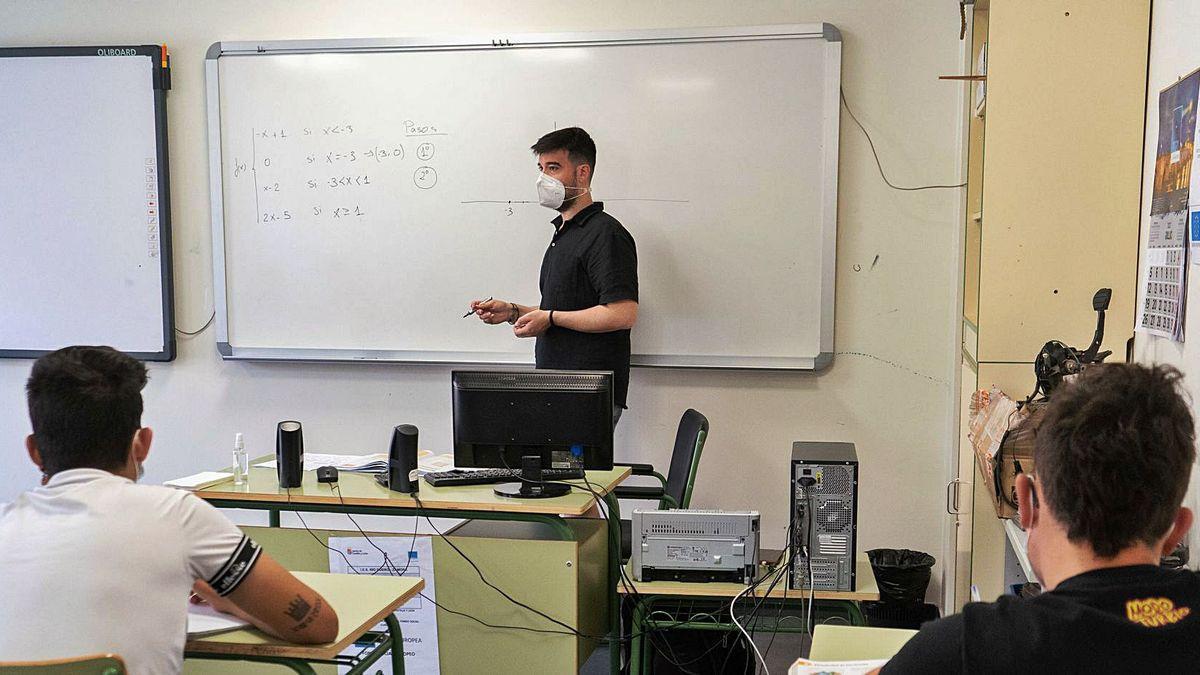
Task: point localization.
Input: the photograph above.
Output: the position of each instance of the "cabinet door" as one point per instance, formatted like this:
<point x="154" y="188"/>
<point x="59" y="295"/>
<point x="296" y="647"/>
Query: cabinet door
<point x="959" y="495"/>
<point x="1066" y="97"/>
<point x="973" y="230"/>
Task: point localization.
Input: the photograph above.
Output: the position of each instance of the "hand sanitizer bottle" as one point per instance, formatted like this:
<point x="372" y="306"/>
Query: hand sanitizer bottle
<point x="240" y="464"/>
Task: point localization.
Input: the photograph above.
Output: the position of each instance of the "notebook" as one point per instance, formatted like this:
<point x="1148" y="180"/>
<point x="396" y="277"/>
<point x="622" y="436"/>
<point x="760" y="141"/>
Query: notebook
<point x="203" y="621"/>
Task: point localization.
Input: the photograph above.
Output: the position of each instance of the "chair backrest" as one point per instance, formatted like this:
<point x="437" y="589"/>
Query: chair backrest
<point x="689" y="443"/>
<point x="92" y="664"/>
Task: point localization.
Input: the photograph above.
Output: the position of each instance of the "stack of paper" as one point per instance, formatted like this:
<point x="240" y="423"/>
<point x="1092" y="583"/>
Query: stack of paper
<point x="204" y="620"/>
<point x="995" y="415"/>
<point x="199" y="481"/>
<point x="374" y="463"/>
<point x="428" y="462"/>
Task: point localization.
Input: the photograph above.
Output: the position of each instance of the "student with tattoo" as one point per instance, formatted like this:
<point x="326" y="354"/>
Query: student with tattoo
<point x="93" y="562"/>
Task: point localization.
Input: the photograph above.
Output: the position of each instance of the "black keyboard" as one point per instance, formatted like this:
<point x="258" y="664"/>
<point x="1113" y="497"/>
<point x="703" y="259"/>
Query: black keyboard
<point x="489" y="476"/>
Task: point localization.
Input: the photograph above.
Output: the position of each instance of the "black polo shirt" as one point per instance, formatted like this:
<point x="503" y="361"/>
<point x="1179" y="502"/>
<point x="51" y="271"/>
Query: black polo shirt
<point x="1137" y="619"/>
<point x="591" y="261"/>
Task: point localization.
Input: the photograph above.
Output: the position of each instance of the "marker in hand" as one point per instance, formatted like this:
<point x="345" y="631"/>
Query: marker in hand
<point x="473" y="311"/>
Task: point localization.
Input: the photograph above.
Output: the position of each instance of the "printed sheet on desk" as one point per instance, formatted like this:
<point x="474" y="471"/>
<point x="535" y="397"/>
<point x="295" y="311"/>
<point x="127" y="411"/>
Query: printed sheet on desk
<point x="373" y="463"/>
<point x="806" y="667"/>
<point x="203" y="620"/>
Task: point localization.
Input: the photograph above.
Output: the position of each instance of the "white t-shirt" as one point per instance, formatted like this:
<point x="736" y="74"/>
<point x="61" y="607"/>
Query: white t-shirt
<point x="92" y="562"/>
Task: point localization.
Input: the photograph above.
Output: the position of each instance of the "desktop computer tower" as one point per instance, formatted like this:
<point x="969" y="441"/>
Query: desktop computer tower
<point x="824" y="506"/>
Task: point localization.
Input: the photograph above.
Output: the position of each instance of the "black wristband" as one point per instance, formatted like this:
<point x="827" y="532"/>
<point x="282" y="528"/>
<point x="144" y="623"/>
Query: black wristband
<point x="552" y="318"/>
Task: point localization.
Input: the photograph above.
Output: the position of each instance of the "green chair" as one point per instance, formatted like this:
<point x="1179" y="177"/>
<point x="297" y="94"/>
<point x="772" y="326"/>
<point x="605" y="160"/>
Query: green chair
<point x="675" y="490"/>
<point x="93" y="664"/>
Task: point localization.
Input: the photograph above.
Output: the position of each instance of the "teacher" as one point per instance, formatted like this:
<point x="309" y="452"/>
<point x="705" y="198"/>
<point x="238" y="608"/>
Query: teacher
<point x="588" y="280"/>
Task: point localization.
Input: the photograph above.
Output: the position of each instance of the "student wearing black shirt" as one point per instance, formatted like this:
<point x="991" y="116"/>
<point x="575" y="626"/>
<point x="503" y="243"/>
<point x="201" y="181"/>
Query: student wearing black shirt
<point x="589" y="272"/>
<point x="1113" y="455"/>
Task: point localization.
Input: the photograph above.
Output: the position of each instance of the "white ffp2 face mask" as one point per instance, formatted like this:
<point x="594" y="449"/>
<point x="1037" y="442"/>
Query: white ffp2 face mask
<point x="552" y="194"/>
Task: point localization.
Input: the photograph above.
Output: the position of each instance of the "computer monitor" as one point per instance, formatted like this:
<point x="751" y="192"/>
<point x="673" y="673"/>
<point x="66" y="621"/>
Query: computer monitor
<point x="563" y="416"/>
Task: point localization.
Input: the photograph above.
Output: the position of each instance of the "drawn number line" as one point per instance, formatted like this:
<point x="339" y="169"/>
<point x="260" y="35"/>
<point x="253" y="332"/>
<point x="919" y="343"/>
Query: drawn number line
<point x="616" y="199"/>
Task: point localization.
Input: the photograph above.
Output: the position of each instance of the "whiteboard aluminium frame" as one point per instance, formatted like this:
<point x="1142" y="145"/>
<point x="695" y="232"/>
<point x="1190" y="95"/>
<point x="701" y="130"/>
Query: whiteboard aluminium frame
<point x="161" y="82"/>
<point x="829" y="142"/>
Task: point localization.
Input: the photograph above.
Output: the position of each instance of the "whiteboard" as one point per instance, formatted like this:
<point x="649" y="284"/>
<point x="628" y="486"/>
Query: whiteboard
<point x="83" y="201"/>
<point x="364" y="191"/>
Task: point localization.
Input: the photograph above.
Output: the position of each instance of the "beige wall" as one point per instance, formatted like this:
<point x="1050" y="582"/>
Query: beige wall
<point x="894" y="400"/>
<point x="1174" y="53"/>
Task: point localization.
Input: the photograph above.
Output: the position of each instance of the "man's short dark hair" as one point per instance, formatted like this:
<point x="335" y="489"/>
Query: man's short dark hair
<point x="580" y="147"/>
<point x="1114" y="453"/>
<point x="85" y="404"/>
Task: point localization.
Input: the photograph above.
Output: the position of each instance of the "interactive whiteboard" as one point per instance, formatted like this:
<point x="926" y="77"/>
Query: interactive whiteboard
<point x="84" y="202"/>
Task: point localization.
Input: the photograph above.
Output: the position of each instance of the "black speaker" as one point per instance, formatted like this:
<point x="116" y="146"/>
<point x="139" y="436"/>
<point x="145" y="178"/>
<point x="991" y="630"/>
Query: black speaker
<point x="289" y="454"/>
<point x="402" y="460"/>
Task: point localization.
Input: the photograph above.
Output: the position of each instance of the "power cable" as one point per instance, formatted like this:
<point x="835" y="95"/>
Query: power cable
<point x="202" y="328"/>
<point x="879" y="164"/>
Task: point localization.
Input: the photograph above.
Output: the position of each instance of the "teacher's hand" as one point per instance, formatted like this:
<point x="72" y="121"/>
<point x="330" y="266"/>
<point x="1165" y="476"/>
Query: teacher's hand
<point x="532" y="324"/>
<point x="491" y="311"/>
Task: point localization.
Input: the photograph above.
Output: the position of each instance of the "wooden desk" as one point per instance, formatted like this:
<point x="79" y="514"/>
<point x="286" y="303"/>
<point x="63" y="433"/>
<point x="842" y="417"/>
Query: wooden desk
<point x="650" y="597"/>
<point x="856" y="643"/>
<point x="360" y="490"/>
<point x="360" y="493"/>
<point x="361" y="602"/>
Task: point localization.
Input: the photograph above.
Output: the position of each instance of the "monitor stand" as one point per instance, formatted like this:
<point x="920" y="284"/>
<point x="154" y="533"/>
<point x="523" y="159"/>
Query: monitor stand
<point x="531" y="485"/>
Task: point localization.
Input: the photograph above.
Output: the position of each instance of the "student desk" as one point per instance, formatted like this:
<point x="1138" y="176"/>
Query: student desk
<point x="856" y="643"/>
<point x="361" y="602"/>
<point x="359" y="493"/>
<point x="675" y="603"/>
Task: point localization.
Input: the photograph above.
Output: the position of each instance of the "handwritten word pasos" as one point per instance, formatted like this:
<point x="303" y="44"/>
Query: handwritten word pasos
<point x="411" y="128"/>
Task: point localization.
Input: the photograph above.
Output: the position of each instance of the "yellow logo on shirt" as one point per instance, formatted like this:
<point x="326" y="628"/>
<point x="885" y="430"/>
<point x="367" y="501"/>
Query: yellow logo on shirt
<point x="1155" y="612"/>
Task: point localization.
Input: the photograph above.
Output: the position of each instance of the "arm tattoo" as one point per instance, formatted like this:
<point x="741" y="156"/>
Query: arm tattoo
<point x="303" y="613"/>
<point x="298" y="609"/>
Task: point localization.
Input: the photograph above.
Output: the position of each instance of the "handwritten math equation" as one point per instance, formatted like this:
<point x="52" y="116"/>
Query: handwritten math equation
<point x="331" y="171"/>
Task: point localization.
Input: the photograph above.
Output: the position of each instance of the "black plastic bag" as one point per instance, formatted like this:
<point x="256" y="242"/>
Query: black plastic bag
<point x="902" y="575"/>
